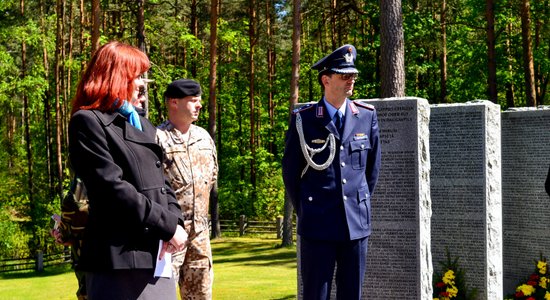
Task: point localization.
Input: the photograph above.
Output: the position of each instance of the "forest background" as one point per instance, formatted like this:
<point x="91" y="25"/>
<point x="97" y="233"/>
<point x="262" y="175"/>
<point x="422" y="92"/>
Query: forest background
<point x="252" y="57"/>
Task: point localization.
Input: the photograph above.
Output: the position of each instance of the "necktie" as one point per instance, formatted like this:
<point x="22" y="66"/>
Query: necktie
<point x="338" y="121"/>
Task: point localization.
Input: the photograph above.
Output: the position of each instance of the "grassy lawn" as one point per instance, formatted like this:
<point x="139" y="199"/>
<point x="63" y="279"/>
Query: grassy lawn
<point x="244" y="268"/>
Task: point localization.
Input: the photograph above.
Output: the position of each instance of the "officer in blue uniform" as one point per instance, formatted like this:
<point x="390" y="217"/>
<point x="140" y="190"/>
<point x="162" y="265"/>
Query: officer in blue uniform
<point x="330" y="169"/>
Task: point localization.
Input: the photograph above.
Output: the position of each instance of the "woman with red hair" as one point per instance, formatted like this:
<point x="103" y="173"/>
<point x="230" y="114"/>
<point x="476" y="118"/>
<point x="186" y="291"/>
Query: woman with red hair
<point x="133" y="212"/>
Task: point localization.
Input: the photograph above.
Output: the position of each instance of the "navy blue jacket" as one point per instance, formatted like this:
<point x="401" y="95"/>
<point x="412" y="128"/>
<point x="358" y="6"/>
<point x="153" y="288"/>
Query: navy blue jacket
<point x="333" y="204"/>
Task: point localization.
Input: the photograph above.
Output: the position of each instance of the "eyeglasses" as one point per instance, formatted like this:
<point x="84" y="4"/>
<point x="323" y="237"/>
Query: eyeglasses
<point x="142" y="91"/>
<point x="347" y="77"/>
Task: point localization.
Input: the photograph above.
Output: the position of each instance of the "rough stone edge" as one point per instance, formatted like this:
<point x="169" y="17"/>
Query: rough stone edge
<point x="424" y="201"/>
<point x="493" y="189"/>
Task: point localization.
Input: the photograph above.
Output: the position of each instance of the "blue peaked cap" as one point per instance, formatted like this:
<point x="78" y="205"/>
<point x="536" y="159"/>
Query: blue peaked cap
<point x="340" y="61"/>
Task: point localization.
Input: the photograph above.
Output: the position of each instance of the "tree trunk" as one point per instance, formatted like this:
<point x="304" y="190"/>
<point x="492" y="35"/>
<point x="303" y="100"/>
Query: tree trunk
<point x="58" y="86"/>
<point x="212" y="109"/>
<point x="333" y="24"/>
<point x="510" y="97"/>
<point x="47" y="116"/>
<point x="140" y="38"/>
<point x="194" y="29"/>
<point x="96" y="22"/>
<point x="270" y="74"/>
<point x="392" y="49"/>
<point x="528" y="66"/>
<point x="294" y="94"/>
<point x="443" y="21"/>
<point x="252" y="37"/>
<point x="82" y="36"/>
<point x="541" y="77"/>
<point x="26" y="118"/>
<point x="491" y="54"/>
<point x="66" y="102"/>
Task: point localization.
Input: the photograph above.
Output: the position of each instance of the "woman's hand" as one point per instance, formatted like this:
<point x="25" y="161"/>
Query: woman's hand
<point x="176" y="244"/>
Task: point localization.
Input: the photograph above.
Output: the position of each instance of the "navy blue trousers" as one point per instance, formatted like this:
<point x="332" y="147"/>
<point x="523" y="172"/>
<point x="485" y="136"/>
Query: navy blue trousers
<point x="318" y="260"/>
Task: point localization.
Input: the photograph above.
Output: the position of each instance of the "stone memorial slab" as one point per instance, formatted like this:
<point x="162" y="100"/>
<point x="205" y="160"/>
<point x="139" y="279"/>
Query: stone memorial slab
<point x="526" y="206"/>
<point x="399" y="261"/>
<point x="466" y="192"/>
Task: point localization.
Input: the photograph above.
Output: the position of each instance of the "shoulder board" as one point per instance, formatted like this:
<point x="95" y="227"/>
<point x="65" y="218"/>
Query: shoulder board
<point x="302" y="108"/>
<point x="364" y="105"/>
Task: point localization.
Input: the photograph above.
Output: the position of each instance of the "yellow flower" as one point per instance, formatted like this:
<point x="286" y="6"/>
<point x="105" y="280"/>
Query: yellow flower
<point x="547" y="296"/>
<point x="543" y="281"/>
<point x="526" y="289"/>
<point x="541" y="265"/>
<point x="449" y="277"/>
<point x="452" y="290"/>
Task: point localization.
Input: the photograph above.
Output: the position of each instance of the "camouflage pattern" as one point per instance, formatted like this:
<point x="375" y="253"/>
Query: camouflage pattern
<point x="192" y="169"/>
<point x="74" y="216"/>
<point x="192" y="267"/>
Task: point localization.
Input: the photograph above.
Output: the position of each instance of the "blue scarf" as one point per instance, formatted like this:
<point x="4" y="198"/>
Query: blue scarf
<point x="129" y="111"/>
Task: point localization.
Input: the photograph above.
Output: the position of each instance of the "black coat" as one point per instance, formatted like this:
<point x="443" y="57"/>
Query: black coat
<point x="131" y="206"/>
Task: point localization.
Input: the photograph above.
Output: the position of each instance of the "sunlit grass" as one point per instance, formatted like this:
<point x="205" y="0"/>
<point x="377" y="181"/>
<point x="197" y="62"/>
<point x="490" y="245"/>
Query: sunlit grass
<point x="244" y="268"/>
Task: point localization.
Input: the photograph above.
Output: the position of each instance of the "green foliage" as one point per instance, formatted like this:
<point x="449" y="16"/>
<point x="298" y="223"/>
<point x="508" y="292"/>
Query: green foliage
<point x="14" y="241"/>
<point x="178" y="49"/>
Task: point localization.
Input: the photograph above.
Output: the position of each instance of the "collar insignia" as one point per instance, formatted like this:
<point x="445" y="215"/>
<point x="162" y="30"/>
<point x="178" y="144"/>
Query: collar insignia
<point x="353" y="108"/>
<point x="320" y="111"/>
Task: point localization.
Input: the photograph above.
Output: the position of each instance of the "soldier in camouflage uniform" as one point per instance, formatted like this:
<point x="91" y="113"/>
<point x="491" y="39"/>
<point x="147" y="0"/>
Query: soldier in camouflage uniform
<point x="192" y="168"/>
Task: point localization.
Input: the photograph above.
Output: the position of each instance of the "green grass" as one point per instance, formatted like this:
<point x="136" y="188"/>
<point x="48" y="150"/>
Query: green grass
<point x="54" y="283"/>
<point x="244" y="268"/>
<point x="248" y="268"/>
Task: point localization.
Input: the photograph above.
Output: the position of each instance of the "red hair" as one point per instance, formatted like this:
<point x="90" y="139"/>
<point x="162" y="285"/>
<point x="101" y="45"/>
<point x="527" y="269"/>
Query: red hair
<point x="109" y="76"/>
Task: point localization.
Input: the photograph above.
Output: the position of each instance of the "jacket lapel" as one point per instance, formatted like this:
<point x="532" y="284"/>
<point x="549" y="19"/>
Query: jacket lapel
<point x="325" y="119"/>
<point x="130" y="132"/>
<point x="352" y="115"/>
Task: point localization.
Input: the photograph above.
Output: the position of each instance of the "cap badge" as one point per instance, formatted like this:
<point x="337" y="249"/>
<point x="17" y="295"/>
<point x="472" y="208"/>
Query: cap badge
<point x="348" y="56"/>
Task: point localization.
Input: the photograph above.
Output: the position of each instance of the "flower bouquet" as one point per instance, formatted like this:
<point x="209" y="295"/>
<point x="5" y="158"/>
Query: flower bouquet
<point x="451" y="283"/>
<point x="536" y="286"/>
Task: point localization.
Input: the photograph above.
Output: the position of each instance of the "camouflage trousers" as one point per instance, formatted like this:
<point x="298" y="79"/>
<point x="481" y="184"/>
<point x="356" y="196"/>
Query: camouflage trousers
<point x="192" y="267"/>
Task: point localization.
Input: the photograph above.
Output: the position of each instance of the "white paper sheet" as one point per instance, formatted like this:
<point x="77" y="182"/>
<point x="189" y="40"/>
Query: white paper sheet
<point x="164" y="266"/>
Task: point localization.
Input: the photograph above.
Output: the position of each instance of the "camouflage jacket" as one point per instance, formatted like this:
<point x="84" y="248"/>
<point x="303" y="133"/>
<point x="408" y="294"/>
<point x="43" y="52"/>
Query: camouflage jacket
<point x="191" y="167"/>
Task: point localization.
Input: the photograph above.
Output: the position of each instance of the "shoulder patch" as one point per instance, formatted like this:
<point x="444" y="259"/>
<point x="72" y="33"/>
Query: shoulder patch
<point x="302" y="108"/>
<point x="364" y="105"/>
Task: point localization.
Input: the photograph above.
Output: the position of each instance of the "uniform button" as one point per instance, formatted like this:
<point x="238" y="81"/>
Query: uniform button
<point x="158" y="164"/>
<point x="345" y="198"/>
<point x="310" y="198"/>
<point x="163" y="190"/>
<point x="362" y="146"/>
<point x="344" y="181"/>
<point x="343" y="164"/>
<point x="341" y="147"/>
<point x="146" y="230"/>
